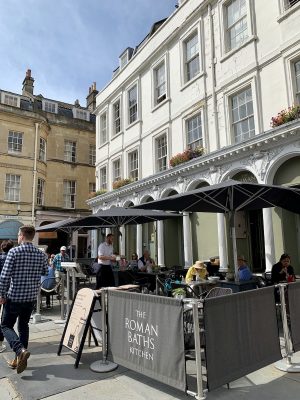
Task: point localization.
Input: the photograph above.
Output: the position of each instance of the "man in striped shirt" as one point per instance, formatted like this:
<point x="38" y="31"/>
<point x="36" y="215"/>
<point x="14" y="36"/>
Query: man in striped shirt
<point x="19" y="285"/>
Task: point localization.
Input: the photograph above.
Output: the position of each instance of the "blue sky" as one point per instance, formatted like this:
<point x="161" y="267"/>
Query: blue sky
<point x="68" y="44"/>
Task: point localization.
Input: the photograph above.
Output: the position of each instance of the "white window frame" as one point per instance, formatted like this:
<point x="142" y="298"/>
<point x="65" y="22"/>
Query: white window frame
<point x="116" y="176"/>
<point x="193" y="144"/>
<point x="115" y="119"/>
<point x="16" y="141"/>
<point x="10" y="99"/>
<point x="42" y="150"/>
<point x="92" y="155"/>
<point x="133" y="165"/>
<point x="159" y="97"/>
<point x="70" y="151"/>
<point x="69" y="194"/>
<point x="296" y="82"/>
<point x="40" y="192"/>
<point x="79" y="113"/>
<point x="186" y="62"/>
<point x="242" y="119"/>
<point x="225" y="51"/>
<point x="158" y="157"/>
<point x="103" y="132"/>
<point x="12" y="187"/>
<point x="49" y="106"/>
<point x="129" y="121"/>
<point x="103" y="178"/>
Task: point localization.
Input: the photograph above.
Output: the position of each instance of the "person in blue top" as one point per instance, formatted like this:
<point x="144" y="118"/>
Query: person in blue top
<point x="48" y="282"/>
<point x="244" y="272"/>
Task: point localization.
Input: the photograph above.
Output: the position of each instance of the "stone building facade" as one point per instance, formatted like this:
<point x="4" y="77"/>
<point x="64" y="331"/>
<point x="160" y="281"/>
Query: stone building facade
<point x="212" y="75"/>
<point x="47" y="162"/>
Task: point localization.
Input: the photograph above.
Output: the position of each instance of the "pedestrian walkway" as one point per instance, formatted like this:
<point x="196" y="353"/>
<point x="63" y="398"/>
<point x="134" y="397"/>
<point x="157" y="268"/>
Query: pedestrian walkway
<point x="53" y="377"/>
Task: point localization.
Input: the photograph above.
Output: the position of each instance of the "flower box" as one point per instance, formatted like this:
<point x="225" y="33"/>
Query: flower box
<point x="285" y="116"/>
<point x="121" y="182"/>
<point x="187" y="155"/>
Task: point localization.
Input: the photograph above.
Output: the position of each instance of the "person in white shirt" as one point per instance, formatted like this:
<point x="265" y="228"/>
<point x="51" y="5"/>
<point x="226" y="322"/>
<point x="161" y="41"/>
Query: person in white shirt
<point x="105" y="276"/>
<point x="145" y="263"/>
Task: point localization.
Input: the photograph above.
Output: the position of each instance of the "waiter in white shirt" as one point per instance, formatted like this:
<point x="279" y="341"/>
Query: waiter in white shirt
<point x="105" y="276"/>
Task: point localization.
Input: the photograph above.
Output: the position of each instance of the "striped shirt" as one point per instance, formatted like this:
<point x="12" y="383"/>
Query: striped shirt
<point x="21" y="274"/>
<point x="58" y="259"/>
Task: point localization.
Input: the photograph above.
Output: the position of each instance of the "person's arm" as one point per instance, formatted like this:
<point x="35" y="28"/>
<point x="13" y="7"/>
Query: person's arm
<point x="141" y="266"/>
<point x="103" y="257"/>
<point x="6" y="276"/>
<point x="189" y="275"/>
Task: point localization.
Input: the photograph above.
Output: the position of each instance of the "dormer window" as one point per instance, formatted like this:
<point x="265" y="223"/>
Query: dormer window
<point x="49" y="106"/>
<point x="10" y="99"/>
<point x="81" y="114"/>
<point x="125" y="57"/>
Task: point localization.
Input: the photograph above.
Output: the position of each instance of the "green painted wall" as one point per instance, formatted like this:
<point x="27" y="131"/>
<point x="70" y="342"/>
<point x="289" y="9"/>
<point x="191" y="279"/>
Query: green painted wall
<point x="204" y="235"/>
<point x="173" y="239"/>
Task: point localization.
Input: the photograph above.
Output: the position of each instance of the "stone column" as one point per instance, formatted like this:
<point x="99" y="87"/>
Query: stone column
<point x="223" y="254"/>
<point x="160" y="244"/>
<point x="269" y="238"/>
<point x="122" y="240"/>
<point x="139" y="240"/>
<point x="94" y="243"/>
<point x="187" y="240"/>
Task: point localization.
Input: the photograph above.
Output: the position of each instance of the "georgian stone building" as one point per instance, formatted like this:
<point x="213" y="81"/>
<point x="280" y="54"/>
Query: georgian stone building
<point x="47" y="162"/>
<point x="213" y="74"/>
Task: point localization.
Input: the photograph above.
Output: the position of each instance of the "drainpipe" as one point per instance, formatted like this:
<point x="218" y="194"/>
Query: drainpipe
<point x="34" y="172"/>
<point x="213" y="75"/>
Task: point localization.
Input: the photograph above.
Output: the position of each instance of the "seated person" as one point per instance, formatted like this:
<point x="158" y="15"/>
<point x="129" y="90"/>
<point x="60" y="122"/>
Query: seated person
<point x="244" y="272"/>
<point x="145" y="263"/>
<point x="213" y="266"/>
<point x="95" y="266"/>
<point x="48" y="284"/>
<point x="198" y="271"/>
<point x="133" y="263"/>
<point x="123" y="263"/>
<point x="283" y="271"/>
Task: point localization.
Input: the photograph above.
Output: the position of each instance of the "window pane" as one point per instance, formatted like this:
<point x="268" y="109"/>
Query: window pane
<point x="69" y="194"/>
<point x="40" y="192"/>
<point x="103" y="132"/>
<point x="103" y="178"/>
<point x="117" y="170"/>
<point x="92" y="158"/>
<point x="242" y="115"/>
<point x="15" y="142"/>
<point x="70" y="151"/>
<point x="161" y="153"/>
<point x="236" y="23"/>
<point x="133" y="165"/>
<point x="12" y="187"/>
<point x="132" y="103"/>
<point x="194" y="132"/>
<point x="42" y="153"/>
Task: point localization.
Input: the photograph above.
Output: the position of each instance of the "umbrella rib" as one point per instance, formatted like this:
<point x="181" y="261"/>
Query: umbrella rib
<point x="254" y="196"/>
<point x="207" y="199"/>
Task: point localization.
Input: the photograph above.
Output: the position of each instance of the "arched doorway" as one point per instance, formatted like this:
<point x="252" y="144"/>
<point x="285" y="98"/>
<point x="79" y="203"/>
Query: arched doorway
<point x="249" y="231"/>
<point x="286" y="225"/>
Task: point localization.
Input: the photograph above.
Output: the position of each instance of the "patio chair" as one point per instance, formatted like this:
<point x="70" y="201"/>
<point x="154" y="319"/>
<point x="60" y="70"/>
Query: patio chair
<point x="50" y="287"/>
<point x="215" y="292"/>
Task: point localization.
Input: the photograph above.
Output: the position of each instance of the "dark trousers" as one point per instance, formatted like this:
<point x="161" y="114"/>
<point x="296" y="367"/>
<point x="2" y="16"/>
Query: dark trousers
<point x="104" y="277"/>
<point x="1" y="333"/>
<point x="11" y="312"/>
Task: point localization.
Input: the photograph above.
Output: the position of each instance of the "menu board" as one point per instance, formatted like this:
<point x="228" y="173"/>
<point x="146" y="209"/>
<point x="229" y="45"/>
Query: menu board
<point x="78" y="322"/>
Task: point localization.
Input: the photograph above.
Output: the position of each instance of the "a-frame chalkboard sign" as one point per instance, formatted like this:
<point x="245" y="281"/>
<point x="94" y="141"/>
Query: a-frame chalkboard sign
<point x="78" y="323"/>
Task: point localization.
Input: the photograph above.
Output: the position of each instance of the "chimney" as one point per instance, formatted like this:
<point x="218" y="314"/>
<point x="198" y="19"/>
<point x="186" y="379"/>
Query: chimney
<point x="28" y="83"/>
<point x="91" y="97"/>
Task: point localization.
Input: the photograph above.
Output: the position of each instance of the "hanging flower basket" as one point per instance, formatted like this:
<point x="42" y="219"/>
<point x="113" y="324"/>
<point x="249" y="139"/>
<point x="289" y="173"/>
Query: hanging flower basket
<point x="187" y="155"/>
<point x="121" y="182"/>
<point x="285" y="116"/>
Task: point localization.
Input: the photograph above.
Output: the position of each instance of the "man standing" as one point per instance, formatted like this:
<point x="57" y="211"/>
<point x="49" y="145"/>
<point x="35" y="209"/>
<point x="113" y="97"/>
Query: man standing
<point x="58" y="259"/>
<point x="19" y="286"/>
<point x="105" y="276"/>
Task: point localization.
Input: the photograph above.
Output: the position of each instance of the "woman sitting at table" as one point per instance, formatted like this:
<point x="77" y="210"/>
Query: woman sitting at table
<point x="145" y="263"/>
<point x="133" y="263"/>
<point x="198" y="271"/>
<point x="283" y="271"/>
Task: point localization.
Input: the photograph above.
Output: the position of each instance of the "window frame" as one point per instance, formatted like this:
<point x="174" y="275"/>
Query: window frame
<point x="11" y="143"/>
<point x="234" y="123"/>
<point x="103" y="182"/>
<point x="40" y="192"/>
<point x="42" y="151"/>
<point x="157" y="138"/>
<point x="114" y="176"/>
<point x="158" y="99"/>
<point x="133" y="165"/>
<point x="92" y="155"/>
<point x="71" y="194"/>
<point x="72" y="152"/>
<point x="115" y="132"/>
<point x="47" y="103"/>
<point x="92" y="187"/>
<point x="194" y="33"/>
<point x="296" y="89"/>
<point x="129" y="120"/>
<point x="13" y="96"/>
<point x="16" y="188"/>
<point x="189" y="118"/>
<point x="103" y="129"/>
<point x="79" y="112"/>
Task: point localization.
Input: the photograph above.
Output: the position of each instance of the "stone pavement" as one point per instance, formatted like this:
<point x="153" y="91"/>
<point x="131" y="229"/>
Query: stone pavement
<point x="50" y="377"/>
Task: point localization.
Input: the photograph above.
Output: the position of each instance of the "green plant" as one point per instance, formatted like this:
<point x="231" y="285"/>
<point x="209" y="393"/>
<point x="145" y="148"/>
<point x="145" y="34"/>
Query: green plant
<point x="97" y="193"/>
<point x="187" y="155"/>
<point x="285" y="116"/>
<point x="121" y="182"/>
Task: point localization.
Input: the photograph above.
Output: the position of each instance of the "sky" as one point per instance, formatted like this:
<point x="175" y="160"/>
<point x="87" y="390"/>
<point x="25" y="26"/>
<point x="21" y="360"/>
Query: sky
<point x="69" y="44"/>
